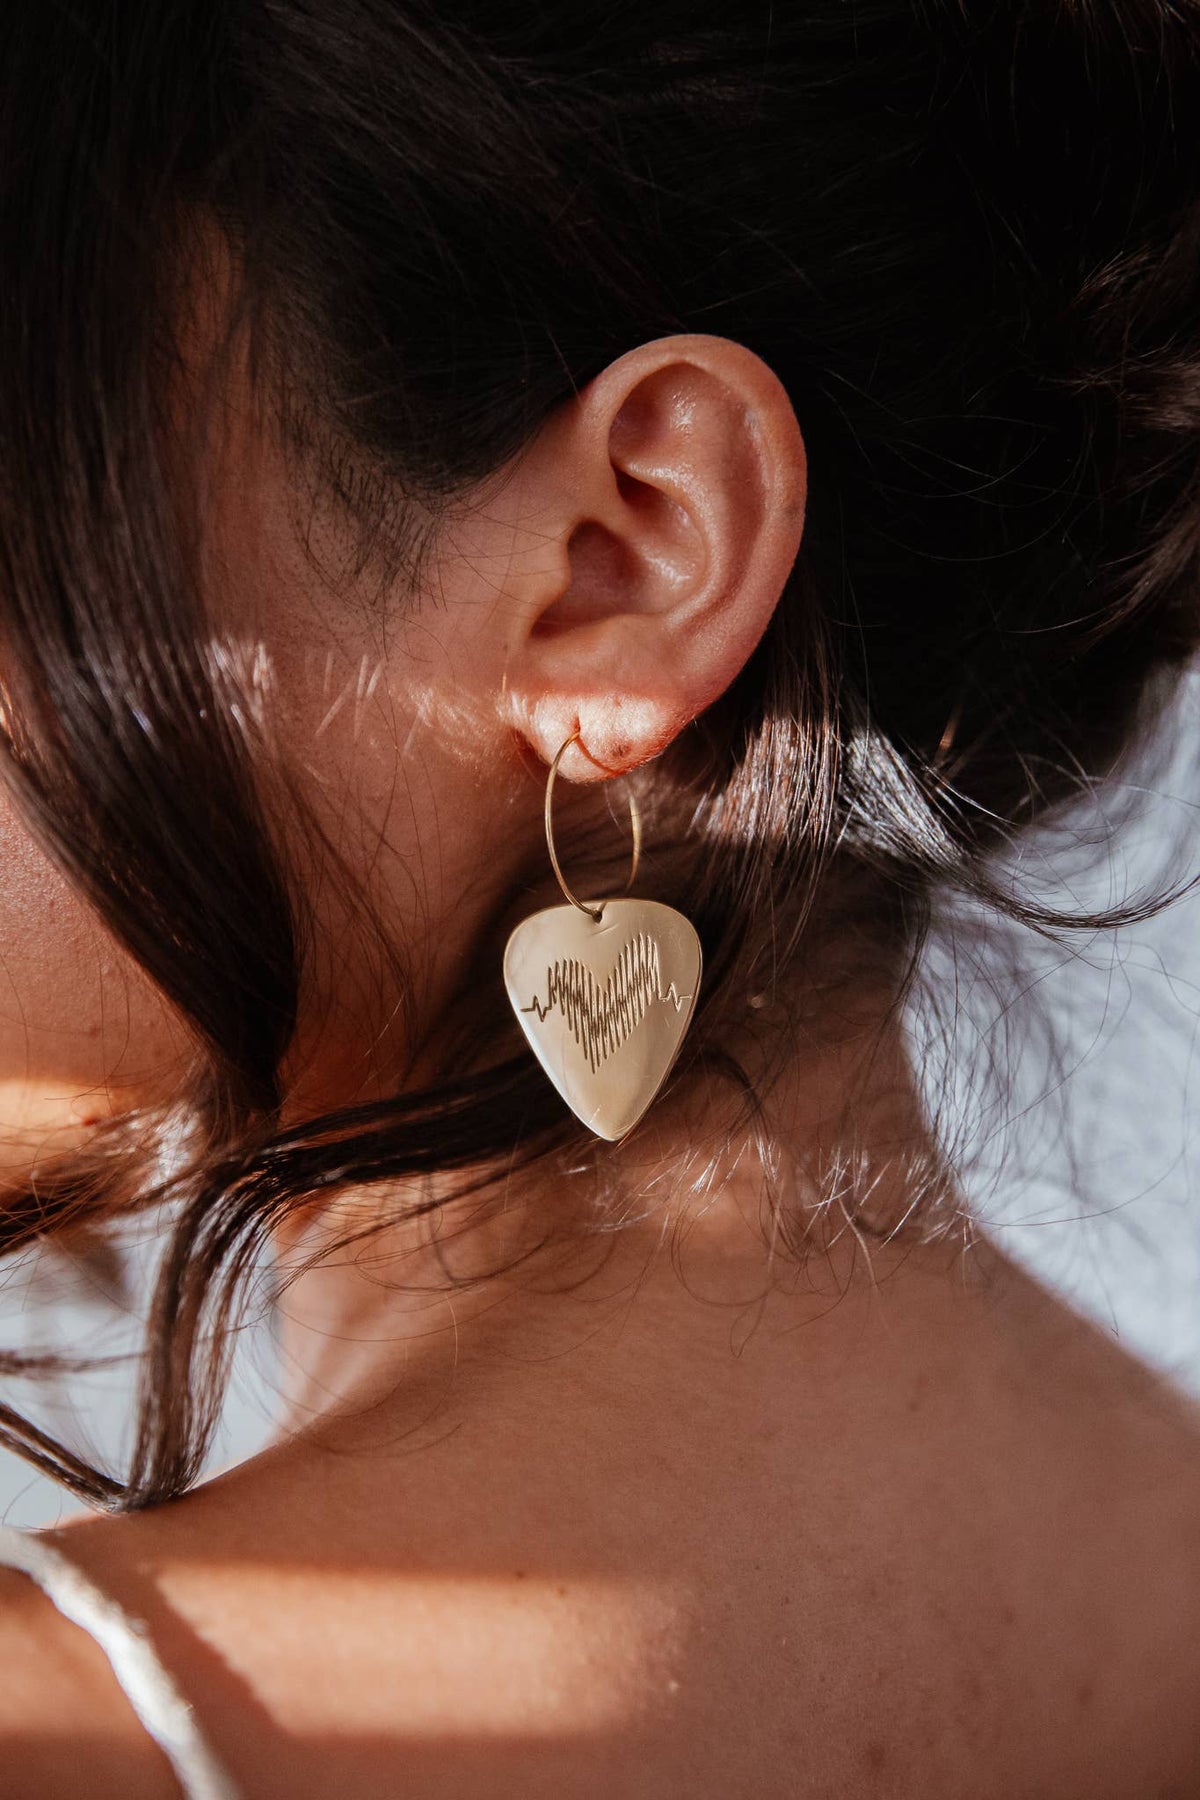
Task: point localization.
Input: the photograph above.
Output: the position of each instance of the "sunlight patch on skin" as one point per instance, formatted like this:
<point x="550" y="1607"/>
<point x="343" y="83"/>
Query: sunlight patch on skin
<point x="243" y="677"/>
<point x="449" y="1656"/>
<point x="42" y="1119"/>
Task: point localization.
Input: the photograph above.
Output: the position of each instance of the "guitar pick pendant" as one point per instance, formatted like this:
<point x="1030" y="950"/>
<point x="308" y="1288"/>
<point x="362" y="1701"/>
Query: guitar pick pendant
<point x="604" y="991"/>
<point x="605" y="1002"/>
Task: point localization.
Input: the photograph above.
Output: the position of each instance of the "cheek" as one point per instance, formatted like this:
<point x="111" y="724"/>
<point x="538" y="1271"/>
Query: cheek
<point x="83" y="1034"/>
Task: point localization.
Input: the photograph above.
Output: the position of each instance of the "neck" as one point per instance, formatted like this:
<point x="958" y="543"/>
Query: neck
<point x="709" y="1198"/>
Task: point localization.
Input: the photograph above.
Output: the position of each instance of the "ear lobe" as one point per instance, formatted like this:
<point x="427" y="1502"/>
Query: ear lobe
<point x="679" y="476"/>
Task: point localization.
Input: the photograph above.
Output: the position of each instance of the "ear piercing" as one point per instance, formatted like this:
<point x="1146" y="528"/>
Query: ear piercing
<point x="604" y="990"/>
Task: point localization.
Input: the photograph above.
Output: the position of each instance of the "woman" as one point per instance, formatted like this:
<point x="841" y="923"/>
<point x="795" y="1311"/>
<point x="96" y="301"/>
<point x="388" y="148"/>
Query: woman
<point x="779" y="423"/>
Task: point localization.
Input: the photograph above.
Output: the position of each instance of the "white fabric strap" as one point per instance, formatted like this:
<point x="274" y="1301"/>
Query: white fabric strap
<point x="155" y="1699"/>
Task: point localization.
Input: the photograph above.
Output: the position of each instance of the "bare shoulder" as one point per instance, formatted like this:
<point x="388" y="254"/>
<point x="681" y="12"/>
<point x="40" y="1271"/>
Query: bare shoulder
<point x="944" y="1542"/>
<point x="1088" y="1470"/>
<point x="62" y="1712"/>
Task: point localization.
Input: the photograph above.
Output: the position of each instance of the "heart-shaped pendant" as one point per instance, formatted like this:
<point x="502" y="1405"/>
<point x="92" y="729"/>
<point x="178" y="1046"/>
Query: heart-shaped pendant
<point x="605" y="1002"/>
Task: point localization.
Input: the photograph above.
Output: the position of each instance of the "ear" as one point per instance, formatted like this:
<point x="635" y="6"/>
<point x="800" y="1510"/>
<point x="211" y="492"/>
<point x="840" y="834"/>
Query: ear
<point x="668" y="498"/>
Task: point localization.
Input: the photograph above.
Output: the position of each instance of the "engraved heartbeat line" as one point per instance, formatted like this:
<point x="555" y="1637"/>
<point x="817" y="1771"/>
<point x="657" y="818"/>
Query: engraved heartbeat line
<point x="601" y="1018"/>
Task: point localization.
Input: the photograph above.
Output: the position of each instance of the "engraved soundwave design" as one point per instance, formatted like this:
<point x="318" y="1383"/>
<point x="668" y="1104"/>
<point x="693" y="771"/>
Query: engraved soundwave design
<point x="600" y="1018"/>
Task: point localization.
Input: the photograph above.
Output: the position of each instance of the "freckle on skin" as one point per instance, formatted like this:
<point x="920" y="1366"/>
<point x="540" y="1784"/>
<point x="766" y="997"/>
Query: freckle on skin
<point x="876" y="1755"/>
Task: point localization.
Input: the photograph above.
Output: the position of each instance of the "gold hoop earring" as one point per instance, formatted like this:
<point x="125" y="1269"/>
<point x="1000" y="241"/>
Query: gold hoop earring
<point x="604" y="991"/>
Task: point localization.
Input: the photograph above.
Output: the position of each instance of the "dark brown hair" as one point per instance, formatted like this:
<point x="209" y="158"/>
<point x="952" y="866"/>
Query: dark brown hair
<point x="966" y="239"/>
